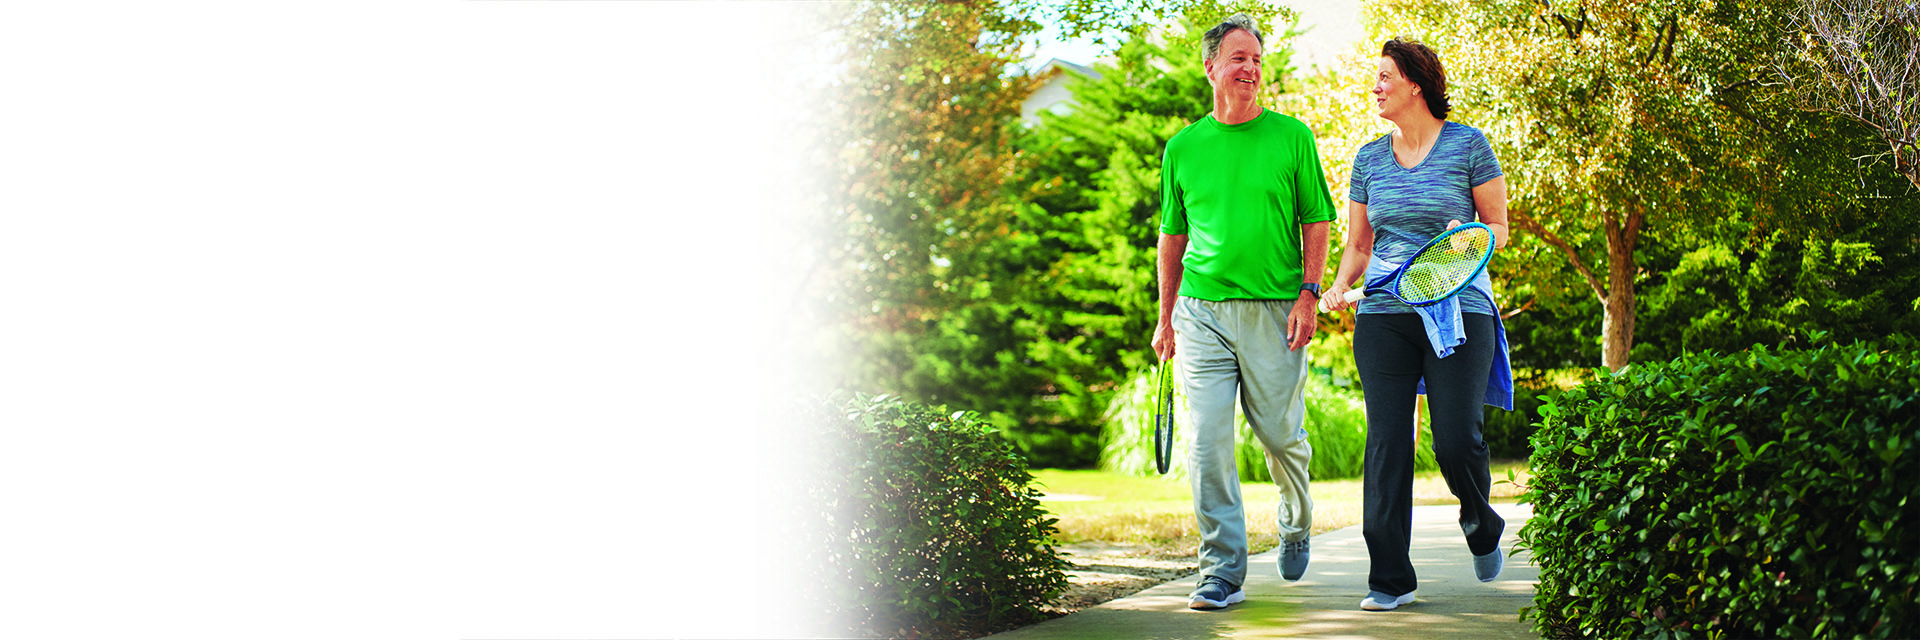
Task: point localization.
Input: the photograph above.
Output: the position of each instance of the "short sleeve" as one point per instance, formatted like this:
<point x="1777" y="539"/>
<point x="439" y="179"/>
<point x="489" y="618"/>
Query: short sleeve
<point x="1482" y="165"/>
<point x="1173" y="208"/>
<point x="1357" y="178"/>
<point x="1313" y="202"/>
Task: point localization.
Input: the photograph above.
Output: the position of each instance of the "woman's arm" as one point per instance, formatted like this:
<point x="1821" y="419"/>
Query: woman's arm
<point x="1490" y="200"/>
<point x="1356" y="252"/>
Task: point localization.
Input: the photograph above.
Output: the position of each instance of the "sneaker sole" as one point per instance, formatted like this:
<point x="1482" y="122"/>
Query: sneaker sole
<point x="1370" y="604"/>
<point x="1203" y="604"/>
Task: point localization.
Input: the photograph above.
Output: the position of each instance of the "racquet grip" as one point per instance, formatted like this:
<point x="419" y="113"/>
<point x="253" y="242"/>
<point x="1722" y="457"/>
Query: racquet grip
<point x="1352" y="295"/>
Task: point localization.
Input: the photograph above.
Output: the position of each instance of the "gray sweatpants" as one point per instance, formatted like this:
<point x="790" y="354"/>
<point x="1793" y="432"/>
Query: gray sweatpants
<point x="1238" y="348"/>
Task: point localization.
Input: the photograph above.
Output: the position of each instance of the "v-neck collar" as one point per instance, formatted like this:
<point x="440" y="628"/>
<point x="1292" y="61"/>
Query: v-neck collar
<point x="1423" y="159"/>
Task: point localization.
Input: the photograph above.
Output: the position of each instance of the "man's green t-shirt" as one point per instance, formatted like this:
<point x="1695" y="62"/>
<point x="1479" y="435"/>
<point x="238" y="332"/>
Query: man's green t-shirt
<point x="1240" y="194"/>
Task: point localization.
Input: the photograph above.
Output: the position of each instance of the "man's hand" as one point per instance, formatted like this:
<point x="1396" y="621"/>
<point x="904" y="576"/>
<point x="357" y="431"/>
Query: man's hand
<point x="1301" y="322"/>
<point x="1163" y="341"/>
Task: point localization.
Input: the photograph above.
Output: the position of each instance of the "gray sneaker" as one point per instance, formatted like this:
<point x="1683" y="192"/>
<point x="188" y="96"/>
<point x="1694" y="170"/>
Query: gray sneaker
<point x="1488" y="567"/>
<point x="1377" y="601"/>
<point x="1215" y="593"/>
<point x="1293" y="559"/>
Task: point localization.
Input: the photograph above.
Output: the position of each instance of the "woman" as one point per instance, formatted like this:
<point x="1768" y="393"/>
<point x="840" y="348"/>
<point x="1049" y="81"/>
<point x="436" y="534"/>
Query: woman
<point x="1427" y="176"/>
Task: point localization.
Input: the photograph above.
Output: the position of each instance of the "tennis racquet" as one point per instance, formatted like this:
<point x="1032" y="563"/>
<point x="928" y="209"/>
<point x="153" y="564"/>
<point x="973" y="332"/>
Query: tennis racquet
<point x="1444" y="267"/>
<point x="1163" y="417"/>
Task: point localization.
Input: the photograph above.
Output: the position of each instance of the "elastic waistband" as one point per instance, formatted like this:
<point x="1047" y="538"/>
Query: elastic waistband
<point x="1242" y="300"/>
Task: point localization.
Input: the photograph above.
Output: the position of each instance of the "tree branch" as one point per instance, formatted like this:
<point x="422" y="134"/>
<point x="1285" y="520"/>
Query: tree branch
<point x="1510" y="314"/>
<point x="1524" y="221"/>
<point x="1573" y="27"/>
<point x="1673" y="32"/>
<point x="1858" y="59"/>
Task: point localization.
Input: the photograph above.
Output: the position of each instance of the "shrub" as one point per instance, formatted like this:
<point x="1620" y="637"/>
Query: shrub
<point x="1336" y="426"/>
<point x="1509" y="434"/>
<point x="931" y="528"/>
<point x="1758" y="494"/>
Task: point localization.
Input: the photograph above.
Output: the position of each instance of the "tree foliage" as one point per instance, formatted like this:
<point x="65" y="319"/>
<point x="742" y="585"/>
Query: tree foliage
<point x="924" y="114"/>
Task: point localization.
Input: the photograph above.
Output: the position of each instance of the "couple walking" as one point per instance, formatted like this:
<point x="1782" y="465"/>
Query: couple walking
<point x="1243" y="245"/>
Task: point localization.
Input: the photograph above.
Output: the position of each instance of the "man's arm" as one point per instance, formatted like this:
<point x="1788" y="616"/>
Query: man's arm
<point x="1173" y="249"/>
<point x="1313" y="251"/>
<point x="1302" y="321"/>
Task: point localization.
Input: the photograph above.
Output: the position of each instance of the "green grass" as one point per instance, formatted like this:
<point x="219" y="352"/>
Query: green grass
<point x="1155" y="513"/>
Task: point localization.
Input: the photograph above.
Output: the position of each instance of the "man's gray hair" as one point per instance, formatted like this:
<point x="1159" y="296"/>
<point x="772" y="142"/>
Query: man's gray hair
<point x="1210" y="43"/>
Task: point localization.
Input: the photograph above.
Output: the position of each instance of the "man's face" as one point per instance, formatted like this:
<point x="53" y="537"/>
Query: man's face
<point x="1235" y="70"/>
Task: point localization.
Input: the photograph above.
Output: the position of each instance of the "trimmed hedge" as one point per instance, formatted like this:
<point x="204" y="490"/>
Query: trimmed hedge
<point x="1758" y="494"/>
<point x="931" y="528"/>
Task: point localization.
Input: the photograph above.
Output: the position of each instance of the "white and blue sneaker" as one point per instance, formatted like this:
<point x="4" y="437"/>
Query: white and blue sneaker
<point x="1377" y="601"/>
<point x="1215" y="593"/>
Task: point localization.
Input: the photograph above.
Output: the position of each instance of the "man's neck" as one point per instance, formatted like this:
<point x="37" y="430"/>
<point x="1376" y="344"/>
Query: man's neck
<point x="1231" y="113"/>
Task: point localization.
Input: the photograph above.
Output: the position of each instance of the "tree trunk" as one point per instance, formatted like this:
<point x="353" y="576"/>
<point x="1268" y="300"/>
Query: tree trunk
<point x="1617" y="331"/>
<point x="1617" y="334"/>
<point x="1616" y="294"/>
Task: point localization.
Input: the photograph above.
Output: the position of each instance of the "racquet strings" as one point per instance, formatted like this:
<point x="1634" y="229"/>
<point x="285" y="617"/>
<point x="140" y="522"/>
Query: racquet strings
<point x="1444" y="266"/>
<point x="1163" y="418"/>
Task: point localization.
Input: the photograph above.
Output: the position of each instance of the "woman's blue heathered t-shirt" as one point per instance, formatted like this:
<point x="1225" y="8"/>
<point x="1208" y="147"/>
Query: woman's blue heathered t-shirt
<point x="1408" y="207"/>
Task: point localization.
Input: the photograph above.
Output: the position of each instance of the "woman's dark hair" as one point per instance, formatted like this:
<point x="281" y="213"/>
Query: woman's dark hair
<point x="1421" y="66"/>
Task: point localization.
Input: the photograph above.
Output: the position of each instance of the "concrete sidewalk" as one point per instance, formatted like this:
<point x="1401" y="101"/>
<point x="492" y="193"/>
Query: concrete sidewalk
<point x="1326" y="602"/>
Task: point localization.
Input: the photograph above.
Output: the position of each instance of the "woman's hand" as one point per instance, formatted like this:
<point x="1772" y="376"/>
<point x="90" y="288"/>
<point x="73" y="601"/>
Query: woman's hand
<point x="1335" y="297"/>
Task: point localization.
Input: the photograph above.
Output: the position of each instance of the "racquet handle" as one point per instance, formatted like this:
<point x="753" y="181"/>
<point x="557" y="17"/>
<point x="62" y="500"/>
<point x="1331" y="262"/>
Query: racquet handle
<point x="1352" y="295"/>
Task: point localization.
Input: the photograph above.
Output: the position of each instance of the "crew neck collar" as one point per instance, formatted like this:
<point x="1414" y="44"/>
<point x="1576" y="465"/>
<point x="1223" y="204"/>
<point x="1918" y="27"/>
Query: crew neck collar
<point x="1235" y="127"/>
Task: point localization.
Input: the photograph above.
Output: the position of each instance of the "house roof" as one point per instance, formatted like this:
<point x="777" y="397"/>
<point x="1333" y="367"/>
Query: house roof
<point x="1084" y="70"/>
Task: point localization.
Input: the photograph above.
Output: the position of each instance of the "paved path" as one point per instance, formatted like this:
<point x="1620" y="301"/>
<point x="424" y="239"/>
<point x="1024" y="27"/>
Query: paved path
<point x="1326" y="603"/>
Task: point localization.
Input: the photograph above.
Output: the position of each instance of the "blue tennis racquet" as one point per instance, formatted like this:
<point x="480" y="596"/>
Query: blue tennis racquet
<point x="1444" y="267"/>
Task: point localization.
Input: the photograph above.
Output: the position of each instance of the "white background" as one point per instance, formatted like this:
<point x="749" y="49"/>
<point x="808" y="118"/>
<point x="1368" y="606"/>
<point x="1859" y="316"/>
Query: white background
<point x="393" y="319"/>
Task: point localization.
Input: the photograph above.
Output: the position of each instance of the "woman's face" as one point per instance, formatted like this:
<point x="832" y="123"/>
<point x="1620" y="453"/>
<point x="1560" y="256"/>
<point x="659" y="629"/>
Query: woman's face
<point x="1393" y="94"/>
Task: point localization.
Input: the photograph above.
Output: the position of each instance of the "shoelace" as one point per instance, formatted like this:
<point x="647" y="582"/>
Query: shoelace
<point x="1290" y="546"/>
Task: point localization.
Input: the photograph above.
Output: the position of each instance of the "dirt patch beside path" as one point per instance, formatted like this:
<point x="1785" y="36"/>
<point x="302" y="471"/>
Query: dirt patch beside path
<point x="1107" y="571"/>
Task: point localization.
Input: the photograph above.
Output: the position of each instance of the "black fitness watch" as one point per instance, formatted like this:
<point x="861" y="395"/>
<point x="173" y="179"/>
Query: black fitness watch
<point x="1312" y="286"/>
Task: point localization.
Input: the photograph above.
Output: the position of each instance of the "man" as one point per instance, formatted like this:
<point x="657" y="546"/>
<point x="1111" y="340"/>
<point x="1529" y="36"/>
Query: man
<point x="1243" y="243"/>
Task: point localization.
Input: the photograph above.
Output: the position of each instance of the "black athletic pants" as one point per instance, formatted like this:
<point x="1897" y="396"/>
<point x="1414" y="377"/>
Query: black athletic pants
<point x="1393" y="354"/>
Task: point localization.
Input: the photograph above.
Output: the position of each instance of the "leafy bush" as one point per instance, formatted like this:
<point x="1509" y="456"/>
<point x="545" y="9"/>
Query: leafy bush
<point x="1336" y="426"/>
<point x="1759" y="494"/>
<point x="1509" y="434"/>
<point x="930" y="528"/>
